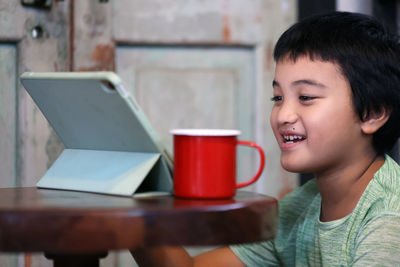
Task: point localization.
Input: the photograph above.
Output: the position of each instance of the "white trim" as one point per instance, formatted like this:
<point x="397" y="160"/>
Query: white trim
<point x="205" y="132"/>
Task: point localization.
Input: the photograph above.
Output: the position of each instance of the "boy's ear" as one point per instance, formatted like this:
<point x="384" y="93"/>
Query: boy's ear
<point x="374" y="121"/>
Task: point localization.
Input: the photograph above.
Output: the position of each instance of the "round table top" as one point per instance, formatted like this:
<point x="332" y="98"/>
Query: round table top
<point x="58" y="221"/>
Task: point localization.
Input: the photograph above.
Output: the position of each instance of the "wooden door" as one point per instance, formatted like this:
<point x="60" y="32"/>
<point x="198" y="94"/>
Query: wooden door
<point x="197" y="63"/>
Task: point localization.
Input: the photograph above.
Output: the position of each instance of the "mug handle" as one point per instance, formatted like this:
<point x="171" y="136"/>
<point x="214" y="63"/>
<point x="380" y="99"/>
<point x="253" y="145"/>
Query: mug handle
<point x="262" y="162"/>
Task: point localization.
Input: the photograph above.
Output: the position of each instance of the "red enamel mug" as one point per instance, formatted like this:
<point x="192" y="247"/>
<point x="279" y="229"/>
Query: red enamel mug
<point x="205" y="163"/>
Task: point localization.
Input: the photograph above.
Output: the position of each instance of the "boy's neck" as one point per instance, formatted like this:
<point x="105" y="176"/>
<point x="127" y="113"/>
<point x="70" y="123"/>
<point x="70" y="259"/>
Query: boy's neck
<point x="341" y="191"/>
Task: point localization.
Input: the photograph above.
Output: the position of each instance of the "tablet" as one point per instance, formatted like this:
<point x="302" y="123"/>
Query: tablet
<point x="97" y="118"/>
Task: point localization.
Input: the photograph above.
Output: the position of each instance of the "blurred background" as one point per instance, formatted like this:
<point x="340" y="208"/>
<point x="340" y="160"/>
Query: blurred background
<point x="189" y="64"/>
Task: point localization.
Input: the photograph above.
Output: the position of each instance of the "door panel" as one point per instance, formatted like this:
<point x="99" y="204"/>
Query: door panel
<point x="8" y="88"/>
<point x="8" y="115"/>
<point x="196" y="87"/>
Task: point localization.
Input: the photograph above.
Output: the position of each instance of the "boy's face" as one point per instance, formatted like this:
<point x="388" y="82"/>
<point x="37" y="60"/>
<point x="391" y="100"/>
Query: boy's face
<point x="313" y="117"/>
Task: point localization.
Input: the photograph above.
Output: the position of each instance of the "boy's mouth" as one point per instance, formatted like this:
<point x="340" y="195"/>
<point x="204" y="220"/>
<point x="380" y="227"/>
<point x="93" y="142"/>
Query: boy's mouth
<point x="290" y="139"/>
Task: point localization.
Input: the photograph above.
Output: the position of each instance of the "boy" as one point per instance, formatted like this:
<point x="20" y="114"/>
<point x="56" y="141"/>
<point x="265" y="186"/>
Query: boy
<point x="336" y="113"/>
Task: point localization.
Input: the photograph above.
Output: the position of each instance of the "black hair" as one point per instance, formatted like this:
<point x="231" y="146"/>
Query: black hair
<point x="368" y="55"/>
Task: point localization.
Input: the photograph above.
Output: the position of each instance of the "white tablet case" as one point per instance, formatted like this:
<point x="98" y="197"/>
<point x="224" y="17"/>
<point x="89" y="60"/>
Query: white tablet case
<point x="110" y="146"/>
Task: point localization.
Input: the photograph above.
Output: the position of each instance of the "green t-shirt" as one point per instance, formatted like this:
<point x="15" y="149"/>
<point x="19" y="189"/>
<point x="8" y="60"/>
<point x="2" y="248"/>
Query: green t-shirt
<point x="369" y="236"/>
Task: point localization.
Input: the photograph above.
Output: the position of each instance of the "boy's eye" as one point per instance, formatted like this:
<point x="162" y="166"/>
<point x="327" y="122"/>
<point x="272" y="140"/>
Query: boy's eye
<point x="276" y="98"/>
<point x="306" y="98"/>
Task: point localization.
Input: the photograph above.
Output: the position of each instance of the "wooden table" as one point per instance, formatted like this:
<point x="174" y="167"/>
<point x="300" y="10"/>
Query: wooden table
<point x="77" y="229"/>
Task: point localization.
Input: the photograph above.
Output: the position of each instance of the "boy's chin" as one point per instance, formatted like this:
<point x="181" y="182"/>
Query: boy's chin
<point x="294" y="166"/>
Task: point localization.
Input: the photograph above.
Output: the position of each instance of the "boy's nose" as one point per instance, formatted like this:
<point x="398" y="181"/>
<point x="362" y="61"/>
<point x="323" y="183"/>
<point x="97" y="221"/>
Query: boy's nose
<point x="287" y="114"/>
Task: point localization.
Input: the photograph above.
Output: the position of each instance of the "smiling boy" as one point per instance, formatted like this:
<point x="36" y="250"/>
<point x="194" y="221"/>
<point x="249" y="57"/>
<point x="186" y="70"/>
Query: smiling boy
<point x="336" y="94"/>
<point x="336" y="113"/>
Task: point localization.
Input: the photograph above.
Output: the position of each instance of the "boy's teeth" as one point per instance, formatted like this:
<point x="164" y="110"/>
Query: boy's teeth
<point x="290" y="138"/>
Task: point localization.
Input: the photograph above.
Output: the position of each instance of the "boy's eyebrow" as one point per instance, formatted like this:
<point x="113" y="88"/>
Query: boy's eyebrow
<point x="309" y="82"/>
<point x="300" y="82"/>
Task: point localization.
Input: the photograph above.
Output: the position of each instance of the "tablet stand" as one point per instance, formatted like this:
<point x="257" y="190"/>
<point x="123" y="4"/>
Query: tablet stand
<point x="110" y="172"/>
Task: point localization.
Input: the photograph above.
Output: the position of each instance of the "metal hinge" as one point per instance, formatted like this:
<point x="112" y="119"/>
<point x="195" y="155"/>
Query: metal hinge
<point x="41" y="4"/>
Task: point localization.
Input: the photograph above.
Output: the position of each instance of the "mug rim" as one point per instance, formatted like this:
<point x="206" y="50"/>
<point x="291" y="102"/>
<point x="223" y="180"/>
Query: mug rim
<point x="205" y="132"/>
